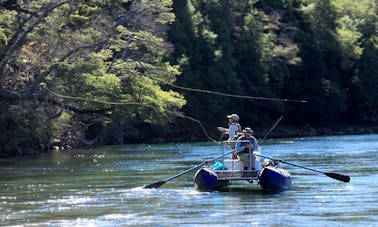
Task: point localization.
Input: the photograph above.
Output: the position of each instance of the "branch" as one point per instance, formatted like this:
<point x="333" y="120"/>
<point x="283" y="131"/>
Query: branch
<point x="14" y="5"/>
<point x="72" y="108"/>
<point x="43" y="76"/>
<point x="19" y="37"/>
<point x="12" y="96"/>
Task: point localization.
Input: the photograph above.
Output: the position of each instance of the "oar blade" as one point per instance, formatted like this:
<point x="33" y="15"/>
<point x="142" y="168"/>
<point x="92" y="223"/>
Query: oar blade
<point x="339" y="177"/>
<point x="154" y="185"/>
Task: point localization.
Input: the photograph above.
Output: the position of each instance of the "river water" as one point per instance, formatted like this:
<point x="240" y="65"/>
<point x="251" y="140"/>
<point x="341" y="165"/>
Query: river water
<point x="103" y="187"/>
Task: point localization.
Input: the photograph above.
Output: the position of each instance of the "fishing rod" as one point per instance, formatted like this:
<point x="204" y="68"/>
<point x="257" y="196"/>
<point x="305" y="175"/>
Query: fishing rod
<point x="272" y="127"/>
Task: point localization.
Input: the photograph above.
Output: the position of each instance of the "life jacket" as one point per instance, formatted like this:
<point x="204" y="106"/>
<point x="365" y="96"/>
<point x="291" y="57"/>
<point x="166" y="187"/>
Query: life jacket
<point x="234" y="137"/>
<point x="238" y="130"/>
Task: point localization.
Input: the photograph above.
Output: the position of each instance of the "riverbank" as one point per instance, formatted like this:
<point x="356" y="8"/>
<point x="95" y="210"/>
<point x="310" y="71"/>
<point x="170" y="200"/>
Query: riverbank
<point x="308" y="130"/>
<point x="280" y="131"/>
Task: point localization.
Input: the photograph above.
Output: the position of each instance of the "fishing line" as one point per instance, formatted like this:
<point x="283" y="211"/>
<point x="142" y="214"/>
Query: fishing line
<point x="228" y="95"/>
<point x="182" y="115"/>
<point x="199" y="122"/>
<point x="139" y="104"/>
<point x="236" y="96"/>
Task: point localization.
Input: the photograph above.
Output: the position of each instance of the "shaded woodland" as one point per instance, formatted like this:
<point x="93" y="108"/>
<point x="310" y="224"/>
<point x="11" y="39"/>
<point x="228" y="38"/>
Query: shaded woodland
<point x="82" y="73"/>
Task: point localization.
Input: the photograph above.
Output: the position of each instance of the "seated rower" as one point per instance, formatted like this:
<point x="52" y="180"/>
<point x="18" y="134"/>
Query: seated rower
<point x="244" y="144"/>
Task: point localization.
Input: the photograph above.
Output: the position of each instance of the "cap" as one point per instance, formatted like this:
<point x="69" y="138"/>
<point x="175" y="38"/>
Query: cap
<point x="248" y="130"/>
<point x="235" y="117"/>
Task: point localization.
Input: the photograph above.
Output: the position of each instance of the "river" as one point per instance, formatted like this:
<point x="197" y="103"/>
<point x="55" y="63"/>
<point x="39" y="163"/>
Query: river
<point x="103" y="187"/>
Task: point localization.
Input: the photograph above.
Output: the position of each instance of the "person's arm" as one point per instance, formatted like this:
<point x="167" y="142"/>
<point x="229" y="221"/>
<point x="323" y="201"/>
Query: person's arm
<point x="255" y="145"/>
<point x="238" y="146"/>
<point x="224" y="130"/>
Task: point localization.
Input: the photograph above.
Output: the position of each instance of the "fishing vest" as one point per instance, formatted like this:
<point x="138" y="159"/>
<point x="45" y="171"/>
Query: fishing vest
<point x="238" y="129"/>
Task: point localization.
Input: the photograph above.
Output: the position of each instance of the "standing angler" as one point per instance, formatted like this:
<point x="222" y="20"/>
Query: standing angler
<point x="233" y="129"/>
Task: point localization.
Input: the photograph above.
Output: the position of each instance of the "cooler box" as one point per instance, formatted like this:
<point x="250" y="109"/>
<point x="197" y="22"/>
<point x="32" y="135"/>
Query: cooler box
<point x="233" y="164"/>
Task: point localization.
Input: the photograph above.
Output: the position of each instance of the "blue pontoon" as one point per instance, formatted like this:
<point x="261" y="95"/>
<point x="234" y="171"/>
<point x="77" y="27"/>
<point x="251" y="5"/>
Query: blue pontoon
<point x="222" y="175"/>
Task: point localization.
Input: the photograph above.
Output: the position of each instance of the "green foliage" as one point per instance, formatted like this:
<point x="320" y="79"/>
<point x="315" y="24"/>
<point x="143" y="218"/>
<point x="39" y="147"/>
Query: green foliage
<point x="77" y="20"/>
<point x="3" y="40"/>
<point x="100" y="71"/>
<point x="203" y="42"/>
<point x="319" y="51"/>
<point x="94" y="62"/>
<point x="367" y="74"/>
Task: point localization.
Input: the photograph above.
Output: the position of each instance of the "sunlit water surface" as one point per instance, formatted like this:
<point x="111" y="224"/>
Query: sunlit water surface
<point x="103" y="187"/>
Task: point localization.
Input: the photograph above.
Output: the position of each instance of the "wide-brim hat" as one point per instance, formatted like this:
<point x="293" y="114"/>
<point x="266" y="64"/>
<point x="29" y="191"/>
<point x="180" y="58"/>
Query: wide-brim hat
<point x="248" y="130"/>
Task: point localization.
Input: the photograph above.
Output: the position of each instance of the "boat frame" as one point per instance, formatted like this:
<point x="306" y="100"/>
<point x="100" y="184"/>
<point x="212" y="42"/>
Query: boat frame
<point x="269" y="176"/>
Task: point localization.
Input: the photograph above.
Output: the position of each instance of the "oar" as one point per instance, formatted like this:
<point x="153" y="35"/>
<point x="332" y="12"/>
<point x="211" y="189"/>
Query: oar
<point x="160" y="183"/>
<point x="335" y="176"/>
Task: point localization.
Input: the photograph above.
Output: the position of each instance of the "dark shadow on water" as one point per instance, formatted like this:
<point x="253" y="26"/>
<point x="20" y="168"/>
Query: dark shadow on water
<point x="251" y="190"/>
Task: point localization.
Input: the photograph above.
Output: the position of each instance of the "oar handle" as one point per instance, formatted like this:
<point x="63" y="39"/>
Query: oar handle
<point x="335" y="176"/>
<point x="186" y="171"/>
<point x="160" y="183"/>
<point x="292" y="164"/>
<point x="198" y="166"/>
<point x="262" y="156"/>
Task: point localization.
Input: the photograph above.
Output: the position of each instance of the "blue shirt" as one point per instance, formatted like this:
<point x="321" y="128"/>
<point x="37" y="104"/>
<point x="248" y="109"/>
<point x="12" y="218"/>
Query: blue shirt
<point x="240" y="147"/>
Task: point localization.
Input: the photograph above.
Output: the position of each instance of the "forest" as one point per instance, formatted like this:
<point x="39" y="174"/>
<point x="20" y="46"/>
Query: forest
<point x="80" y="73"/>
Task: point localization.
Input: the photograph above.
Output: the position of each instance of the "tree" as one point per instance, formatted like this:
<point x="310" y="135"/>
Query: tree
<point x="366" y="80"/>
<point x="86" y="64"/>
<point x="203" y="46"/>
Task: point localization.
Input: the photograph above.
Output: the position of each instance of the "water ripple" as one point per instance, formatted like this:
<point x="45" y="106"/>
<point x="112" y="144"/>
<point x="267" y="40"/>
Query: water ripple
<point x="104" y="187"/>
